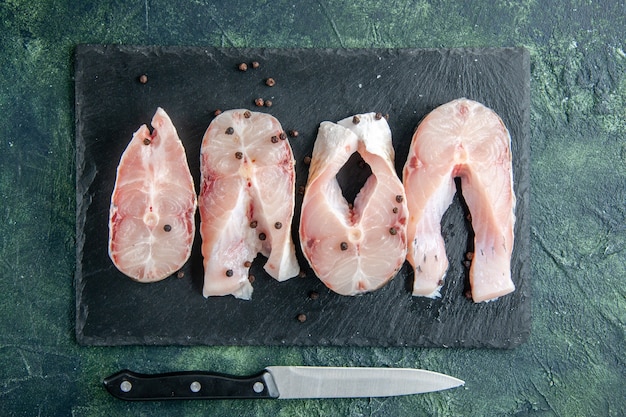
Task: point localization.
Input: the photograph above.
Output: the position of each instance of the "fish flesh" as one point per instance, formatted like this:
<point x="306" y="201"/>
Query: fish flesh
<point x="465" y="139"/>
<point x="355" y="248"/>
<point x="151" y="217"/>
<point x="246" y="201"/>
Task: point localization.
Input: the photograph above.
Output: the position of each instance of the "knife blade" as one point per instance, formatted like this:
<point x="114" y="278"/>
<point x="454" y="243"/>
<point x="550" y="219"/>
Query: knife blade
<point x="281" y="382"/>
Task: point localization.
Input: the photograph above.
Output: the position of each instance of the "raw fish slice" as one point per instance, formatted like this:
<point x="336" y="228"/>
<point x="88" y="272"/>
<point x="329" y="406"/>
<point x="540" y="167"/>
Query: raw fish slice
<point x="151" y="223"/>
<point x="462" y="139"/>
<point x="355" y="249"/>
<point x="246" y="201"/>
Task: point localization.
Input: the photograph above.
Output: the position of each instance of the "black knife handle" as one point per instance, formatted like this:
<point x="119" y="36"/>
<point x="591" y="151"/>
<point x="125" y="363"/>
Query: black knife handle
<point x="191" y="385"/>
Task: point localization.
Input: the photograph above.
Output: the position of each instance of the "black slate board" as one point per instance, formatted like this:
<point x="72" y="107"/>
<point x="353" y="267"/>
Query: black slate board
<point x="311" y="86"/>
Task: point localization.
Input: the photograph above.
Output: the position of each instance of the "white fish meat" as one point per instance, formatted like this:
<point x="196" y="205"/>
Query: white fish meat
<point x="463" y="139"/>
<point x="246" y="201"/>
<point x="355" y="249"/>
<point x="151" y="218"/>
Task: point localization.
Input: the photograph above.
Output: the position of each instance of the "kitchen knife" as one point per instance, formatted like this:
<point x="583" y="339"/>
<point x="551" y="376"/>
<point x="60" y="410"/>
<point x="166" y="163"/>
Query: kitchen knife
<point x="283" y="382"/>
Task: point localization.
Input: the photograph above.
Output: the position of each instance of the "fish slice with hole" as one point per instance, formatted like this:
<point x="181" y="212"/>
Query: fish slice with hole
<point x="354" y="248"/>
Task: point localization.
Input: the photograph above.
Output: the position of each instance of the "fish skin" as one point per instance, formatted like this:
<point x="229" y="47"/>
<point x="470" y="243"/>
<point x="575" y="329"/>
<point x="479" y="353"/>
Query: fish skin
<point x="259" y="186"/>
<point x="153" y="188"/>
<point x="373" y="255"/>
<point x="465" y="139"/>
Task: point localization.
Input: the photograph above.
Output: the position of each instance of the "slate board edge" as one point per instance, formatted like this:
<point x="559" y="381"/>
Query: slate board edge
<point x="155" y="340"/>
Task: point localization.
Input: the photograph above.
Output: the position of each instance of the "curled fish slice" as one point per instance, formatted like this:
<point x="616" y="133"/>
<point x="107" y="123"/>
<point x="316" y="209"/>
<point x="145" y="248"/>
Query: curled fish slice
<point x="151" y="218"/>
<point x="463" y="139"/>
<point x="354" y="249"/>
<point x="246" y="201"/>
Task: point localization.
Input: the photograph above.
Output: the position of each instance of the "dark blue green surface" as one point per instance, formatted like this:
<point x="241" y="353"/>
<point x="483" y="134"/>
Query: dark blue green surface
<point x="572" y="365"/>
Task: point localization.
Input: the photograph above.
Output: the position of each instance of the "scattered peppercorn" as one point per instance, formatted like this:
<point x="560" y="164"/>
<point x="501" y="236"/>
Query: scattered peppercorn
<point x="262" y="236"/>
<point x="399" y="198"/>
<point x="247" y="114"/>
<point x="253" y="224"/>
<point x="393" y="231"/>
<point x="294" y="133"/>
<point x="314" y="295"/>
<point x="301" y="190"/>
<point x="301" y="317"/>
<point x="268" y="103"/>
<point x="247" y="264"/>
<point x="395" y="209"/>
<point x="467" y="264"/>
<point x="469" y="217"/>
<point x="356" y="120"/>
<point x="147" y="141"/>
<point x="251" y="279"/>
<point x="387" y="116"/>
<point x="274" y="139"/>
<point x="180" y="274"/>
<point x="229" y="272"/>
<point x="230" y="131"/>
<point x="468" y="294"/>
<point x="440" y="283"/>
<point x="282" y="136"/>
<point x="259" y="102"/>
<point x="343" y="246"/>
<point x="278" y="225"/>
<point x="238" y="155"/>
<point x="217" y="112"/>
<point x="243" y="67"/>
<point x="307" y="160"/>
<point x="378" y="116"/>
<point x="255" y="64"/>
<point x="270" y="82"/>
<point x="143" y="78"/>
<point x="167" y="228"/>
<point x="469" y="256"/>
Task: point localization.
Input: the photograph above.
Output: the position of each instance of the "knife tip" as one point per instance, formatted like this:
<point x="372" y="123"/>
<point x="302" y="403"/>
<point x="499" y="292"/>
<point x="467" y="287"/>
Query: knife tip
<point x="457" y="383"/>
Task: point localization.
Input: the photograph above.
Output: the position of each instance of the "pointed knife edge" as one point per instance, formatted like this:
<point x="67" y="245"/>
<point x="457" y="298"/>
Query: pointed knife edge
<point x="292" y="382"/>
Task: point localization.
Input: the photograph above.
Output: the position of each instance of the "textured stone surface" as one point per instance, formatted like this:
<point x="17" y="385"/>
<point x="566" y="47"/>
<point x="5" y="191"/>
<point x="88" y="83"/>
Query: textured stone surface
<point x="573" y="363"/>
<point x="190" y="83"/>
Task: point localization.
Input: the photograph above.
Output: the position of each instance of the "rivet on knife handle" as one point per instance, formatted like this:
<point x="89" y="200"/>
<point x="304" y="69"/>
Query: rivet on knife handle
<point x="128" y="385"/>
